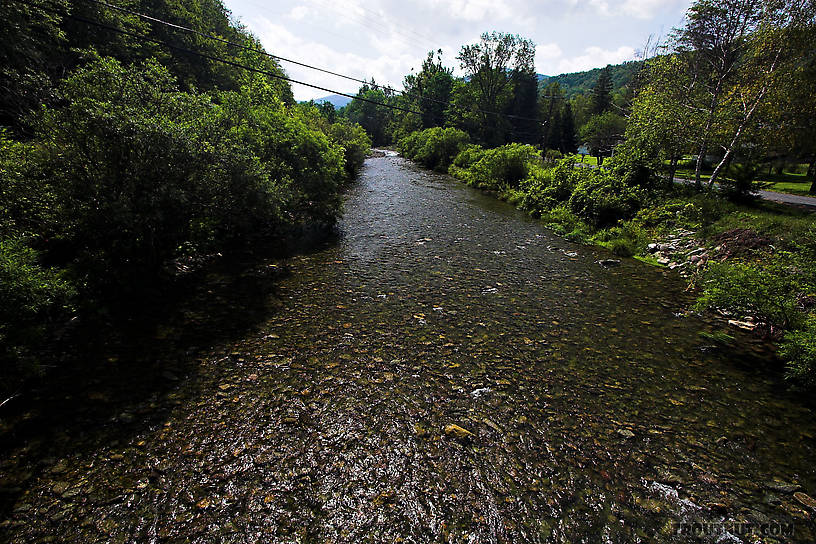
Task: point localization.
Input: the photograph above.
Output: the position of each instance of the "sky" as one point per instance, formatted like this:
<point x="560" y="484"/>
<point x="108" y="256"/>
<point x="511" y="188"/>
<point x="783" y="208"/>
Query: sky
<point x="386" y="39"/>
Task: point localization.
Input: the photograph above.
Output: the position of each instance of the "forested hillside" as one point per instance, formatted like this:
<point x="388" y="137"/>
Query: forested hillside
<point x="130" y="144"/>
<point x="576" y="83"/>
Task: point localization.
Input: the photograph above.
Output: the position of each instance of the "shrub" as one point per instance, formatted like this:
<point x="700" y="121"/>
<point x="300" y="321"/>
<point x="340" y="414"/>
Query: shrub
<point x="434" y="147"/>
<point x="469" y="156"/>
<point x="355" y="143"/>
<point x="501" y="168"/>
<point x="545" y="188"/>
<point x="602" y="199"/>
<point x="798" y="347"/>
<point x="552" y="156"/>
<point x="139" y="169"/>
<point x="31" y="298"/>
<point x="748" y="290"/>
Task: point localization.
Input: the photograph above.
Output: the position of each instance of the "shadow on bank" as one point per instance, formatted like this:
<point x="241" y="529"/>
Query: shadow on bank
<point x="122" y="371"/>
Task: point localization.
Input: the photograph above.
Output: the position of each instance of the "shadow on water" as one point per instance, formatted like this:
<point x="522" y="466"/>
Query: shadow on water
<point x="121" y="373"/>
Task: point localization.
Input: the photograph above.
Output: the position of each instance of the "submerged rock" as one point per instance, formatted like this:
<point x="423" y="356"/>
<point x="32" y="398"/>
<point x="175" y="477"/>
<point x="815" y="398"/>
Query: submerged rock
<point x="783" y="487"/>
<point x="457" y="432"/>
<point x="805" y="500"/>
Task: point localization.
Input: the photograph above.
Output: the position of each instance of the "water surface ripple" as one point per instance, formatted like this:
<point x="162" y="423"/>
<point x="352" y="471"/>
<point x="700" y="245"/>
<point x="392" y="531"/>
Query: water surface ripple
<point x="588" y="408"/>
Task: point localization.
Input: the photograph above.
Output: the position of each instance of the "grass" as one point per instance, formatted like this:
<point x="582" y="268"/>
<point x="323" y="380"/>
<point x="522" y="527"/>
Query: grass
<point x="801" y="188"/>
<point x="792" y="181"/>
<point x="592" y="161"/>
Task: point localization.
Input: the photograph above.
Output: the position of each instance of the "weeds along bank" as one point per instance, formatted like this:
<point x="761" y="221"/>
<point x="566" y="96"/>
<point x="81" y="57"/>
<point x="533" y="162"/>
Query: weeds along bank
<point x="124" y="173"/>
<point x="770" y="278"/>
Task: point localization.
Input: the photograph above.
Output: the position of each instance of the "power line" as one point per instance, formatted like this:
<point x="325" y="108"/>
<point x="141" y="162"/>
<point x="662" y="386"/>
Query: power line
<point x="384" y="88"/>
<point x="214" y="58"/>
<point x="255" y="50"/>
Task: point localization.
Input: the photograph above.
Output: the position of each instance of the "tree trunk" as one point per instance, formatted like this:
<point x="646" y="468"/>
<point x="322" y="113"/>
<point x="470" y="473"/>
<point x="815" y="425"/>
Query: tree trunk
<point x="745" y="120"/>
<point x="672" y="169"/>
<point x="712" y="109"/>
<point x="699" y="168"/>
<point x="719" y="168"/>
<point x="812" y="176"/>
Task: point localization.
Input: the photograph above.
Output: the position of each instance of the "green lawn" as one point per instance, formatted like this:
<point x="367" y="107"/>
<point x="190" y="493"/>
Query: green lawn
<point x="792" y="182"/>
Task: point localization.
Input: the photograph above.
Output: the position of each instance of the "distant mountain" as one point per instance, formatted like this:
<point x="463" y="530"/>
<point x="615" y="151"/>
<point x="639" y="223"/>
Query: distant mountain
<point x="582" y="82"/>
<point x="336" y="100"/>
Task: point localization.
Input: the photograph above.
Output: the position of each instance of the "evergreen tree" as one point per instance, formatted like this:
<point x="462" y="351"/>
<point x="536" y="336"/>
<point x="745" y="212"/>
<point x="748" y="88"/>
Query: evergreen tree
<point x="567" y="130"/>
<point x="602" y="92"/>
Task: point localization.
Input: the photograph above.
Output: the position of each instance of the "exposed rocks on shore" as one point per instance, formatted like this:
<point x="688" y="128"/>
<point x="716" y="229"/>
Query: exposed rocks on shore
<point x="685" y="252"/>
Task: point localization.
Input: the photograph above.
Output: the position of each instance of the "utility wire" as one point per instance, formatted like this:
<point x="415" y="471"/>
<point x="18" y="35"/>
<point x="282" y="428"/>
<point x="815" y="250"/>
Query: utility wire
<point x="385" y="88"/>
<point x="214" y="58"/>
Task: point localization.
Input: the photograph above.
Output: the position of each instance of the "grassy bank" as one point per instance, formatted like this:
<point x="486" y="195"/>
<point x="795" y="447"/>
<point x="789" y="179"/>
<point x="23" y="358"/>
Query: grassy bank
<point x="752" y="261"/>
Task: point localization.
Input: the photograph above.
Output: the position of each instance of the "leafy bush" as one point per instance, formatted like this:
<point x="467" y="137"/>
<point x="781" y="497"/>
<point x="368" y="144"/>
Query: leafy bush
<point x="602" y="199"/>
<point x="139" y="169"/>
<point x="31" y="298"/>
<point x="501" y="168"/>
<point x="355" y="143"/>
<point x="435" y="147"/>
<point x="749" y="290"/>
<point x="799" y="348"/>
<point x="469" y="156"/>
<point x="545" y="188"/>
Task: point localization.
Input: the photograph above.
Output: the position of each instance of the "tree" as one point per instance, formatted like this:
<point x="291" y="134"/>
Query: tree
<point x="603" y="132"/>
<point x="770" y="55"/>
<point x="557" y="120"/>
<point x="659" y="126"/>
<point x="486" y="65"/>
<point x="374" y="118"/>
<point x="567" y="130"/>
<point x="31" y="37"/>
<point x="429" y="91"/>
<point x="602" y="92"/>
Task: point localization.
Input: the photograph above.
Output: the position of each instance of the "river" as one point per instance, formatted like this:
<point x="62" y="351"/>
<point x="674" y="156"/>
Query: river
<point x="447" y="371"/>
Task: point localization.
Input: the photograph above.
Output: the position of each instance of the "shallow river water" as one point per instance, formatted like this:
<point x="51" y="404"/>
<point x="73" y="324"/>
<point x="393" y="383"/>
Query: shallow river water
<point x="588" y="407"/>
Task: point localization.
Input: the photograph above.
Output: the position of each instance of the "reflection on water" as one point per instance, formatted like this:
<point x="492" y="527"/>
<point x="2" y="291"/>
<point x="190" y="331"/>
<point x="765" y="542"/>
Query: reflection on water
<point x="447" y="372"/>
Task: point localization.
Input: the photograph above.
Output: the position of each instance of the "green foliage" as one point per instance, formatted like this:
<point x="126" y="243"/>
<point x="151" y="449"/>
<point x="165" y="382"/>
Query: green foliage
<point x="601" y="198"/>
<point x="603" y="132"/>
<point x="546" y="188"/>
<point x="435" y="147"/>
<point x="750" y="290"/>
<point x="581" y="83"/>
<point x="31" y="298"/>
<point x="138" y="169"/>
<point x="602" y="92"/>
<point x="375" y="119"/>
<point x="798" y="347"/>
<point x="498" y="169"/>
<point x="355" y="142"/>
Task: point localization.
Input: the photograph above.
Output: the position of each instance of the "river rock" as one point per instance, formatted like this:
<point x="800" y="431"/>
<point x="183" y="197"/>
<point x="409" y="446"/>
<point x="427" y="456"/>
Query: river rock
<point x="457" y="432"/>
<point x="717" y="508"/>
<point x="783" y="487"/>
<point x="60" y="487"/>
<point x="626" y="433"/>
<point x="805" y="500"/>
<point x="609" y="263"/>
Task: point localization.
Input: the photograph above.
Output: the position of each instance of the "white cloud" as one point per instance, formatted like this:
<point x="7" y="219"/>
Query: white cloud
<point x="298" y="12"/>
<point x="548" y="51"/>
<point x="594" y="57"/>
<point x="646" y="9"/>
<point x="385" y="39"/>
